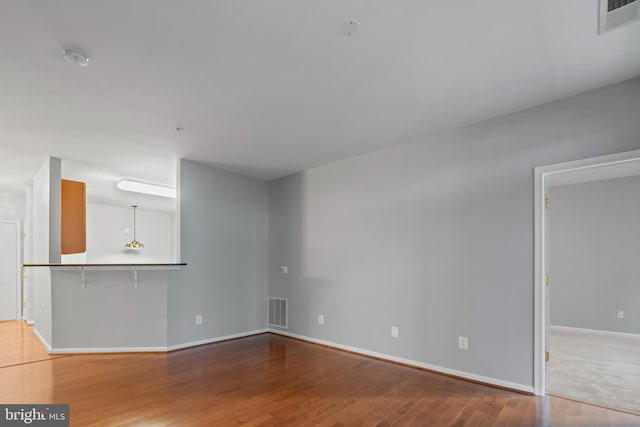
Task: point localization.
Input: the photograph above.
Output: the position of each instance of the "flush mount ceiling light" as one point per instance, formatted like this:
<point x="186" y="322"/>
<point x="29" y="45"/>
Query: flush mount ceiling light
<point x="146" y="188"/>
<point x="350" y="27"/>
<point x="76" y="57"/>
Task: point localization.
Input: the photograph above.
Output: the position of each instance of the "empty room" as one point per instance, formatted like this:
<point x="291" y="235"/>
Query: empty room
<point x="319" y="213"/>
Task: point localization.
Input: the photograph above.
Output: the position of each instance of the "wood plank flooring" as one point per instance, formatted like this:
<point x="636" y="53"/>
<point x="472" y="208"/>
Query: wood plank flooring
<point x="18" y="345"/>
<point x="269" y="380"/>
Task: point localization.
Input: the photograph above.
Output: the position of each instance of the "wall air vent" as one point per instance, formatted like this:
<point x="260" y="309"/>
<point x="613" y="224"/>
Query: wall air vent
<point x="278" y="312"/>
<point x="616" y="13"/>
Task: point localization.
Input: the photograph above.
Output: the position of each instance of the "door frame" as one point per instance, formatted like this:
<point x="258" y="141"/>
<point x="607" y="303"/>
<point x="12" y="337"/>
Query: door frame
<point x="541" y="174"/>
<point x="18" y="265"/>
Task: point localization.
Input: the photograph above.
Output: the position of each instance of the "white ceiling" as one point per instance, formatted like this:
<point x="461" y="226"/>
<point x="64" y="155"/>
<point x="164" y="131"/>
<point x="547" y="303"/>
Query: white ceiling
<point x="267" y="88"/>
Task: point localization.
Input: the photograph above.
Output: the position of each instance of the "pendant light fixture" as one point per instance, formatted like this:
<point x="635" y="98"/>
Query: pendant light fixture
<point x="134" y="244"/>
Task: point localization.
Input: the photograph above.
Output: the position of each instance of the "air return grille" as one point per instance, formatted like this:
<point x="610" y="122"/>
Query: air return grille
<point x="615" y="13"/>
<point x="278" y="314"/>
<point x="617" y="4"/>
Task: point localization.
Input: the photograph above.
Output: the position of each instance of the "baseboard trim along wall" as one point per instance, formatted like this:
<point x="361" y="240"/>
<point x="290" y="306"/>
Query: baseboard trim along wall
<point x="439" y="369"/>
<point x="217" y="339"/>
<point x="159" y="349"/>
<point x="593" y="332"/>
<point x="42" y="340"/>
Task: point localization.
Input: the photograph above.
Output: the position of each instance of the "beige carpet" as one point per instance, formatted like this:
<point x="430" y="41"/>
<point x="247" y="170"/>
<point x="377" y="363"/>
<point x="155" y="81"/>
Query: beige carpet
<point x="596" y="369"/>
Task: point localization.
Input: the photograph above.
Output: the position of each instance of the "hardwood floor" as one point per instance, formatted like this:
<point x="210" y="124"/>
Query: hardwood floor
<point x="18" y="345"/>
<point x="271" y="380"/>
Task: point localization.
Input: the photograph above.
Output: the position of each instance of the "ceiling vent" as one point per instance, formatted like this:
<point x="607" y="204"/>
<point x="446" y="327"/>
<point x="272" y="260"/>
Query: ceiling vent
<point x="616" y="13"/>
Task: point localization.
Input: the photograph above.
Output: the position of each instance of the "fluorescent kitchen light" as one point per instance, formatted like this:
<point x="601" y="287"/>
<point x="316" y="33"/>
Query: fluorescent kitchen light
<point x="144" y="188"/>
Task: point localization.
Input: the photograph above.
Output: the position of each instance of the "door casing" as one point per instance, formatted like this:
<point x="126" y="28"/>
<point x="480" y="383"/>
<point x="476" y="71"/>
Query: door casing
<point x="541" y="175"/>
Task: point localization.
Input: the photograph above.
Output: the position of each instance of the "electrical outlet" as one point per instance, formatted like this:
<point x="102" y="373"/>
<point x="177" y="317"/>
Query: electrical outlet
<point x="463" y="343"/>
<point x="620" y="314"/>
<point x="284" y="269"/>
<point x="394" y="332"/>
<point x="321" y="319"/>
<point x="199" y="319"/>
<point x="125" y="231"/>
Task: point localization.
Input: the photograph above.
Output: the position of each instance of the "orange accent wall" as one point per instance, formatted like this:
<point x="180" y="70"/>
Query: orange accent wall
<point x="74" y="217"/>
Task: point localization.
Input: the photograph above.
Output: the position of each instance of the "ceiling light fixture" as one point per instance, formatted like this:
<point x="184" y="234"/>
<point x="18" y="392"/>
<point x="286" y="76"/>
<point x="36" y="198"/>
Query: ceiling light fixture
<point x="145" y="188"/>
<point x="76" y="57"/>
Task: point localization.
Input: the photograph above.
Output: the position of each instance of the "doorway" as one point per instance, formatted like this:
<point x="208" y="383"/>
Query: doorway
<point x="10" y="289"/>
<point x="577" y="349"/>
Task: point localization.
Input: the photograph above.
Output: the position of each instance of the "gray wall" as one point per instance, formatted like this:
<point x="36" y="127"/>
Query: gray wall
<point x="224" y="238"/>
<point x="46" y="241"/>
<point x="436" y="237"/>
<point x="55" y="210"/>
<point x="595" y="253"/>
<point x="110" y="312"/>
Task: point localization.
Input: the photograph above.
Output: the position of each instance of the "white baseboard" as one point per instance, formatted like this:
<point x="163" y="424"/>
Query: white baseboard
<point x="30" y="322"/>
<point x="593" y="332"/>
<point x="90" y="350"/>
<point x="453" y="372"/>
<point x="158" y="349"/>
<point x="42" y="340"/>
<point x="217" y="339"/>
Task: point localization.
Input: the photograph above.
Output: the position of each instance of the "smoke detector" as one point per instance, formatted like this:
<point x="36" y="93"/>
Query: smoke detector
<point x="76" y="57"/>
<point x="350" y="27"/>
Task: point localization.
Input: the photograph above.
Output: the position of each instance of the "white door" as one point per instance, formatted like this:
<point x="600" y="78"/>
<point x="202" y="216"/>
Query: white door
<point x="8" y="271"/>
